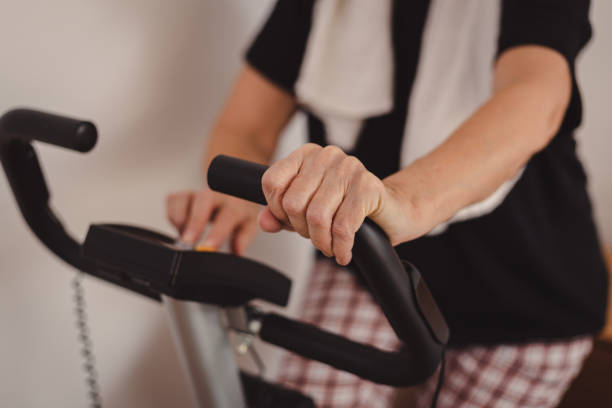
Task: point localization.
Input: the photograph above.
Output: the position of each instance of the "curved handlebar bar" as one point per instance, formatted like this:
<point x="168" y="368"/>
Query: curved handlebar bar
<point x="399" y="368"/>
<point x="27" y="125"/>
<point x="17" y="129"/>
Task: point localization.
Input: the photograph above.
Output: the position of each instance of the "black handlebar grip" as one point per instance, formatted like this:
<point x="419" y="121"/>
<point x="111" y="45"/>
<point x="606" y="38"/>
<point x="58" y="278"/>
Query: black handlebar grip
<point x="237" y="177"/>
<point x="401" y="293"/>
<point x="27" y="125"/>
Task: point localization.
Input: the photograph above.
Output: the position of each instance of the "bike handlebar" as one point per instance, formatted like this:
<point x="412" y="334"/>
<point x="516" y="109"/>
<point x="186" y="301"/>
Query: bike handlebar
<point x="28" y="125"/>
<point x="398" y="368"/>
<point x="18" y="128"/>
<point x="402" y="294"/>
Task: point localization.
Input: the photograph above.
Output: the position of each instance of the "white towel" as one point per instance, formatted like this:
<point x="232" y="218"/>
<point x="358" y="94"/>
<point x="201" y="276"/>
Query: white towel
<point x="347" y="74"/>
<point x="347" y="71"/>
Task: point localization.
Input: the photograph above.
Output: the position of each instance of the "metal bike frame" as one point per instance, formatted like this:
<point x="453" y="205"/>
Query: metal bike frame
<point x="206" y="354"/>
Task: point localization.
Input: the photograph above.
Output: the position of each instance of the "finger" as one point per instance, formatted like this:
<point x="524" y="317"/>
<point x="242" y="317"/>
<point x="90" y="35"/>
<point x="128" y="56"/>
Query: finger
<point x="268" y="222"/>
<point x="320" y="213"/>
<point x="344" y="226"/>
<point x="360" y="200"/>
<point x="243" y="236"/>
<point x="177" y="208"/>
<point x="225" y="223"/>
<point x="305" y="184"/>
<point x="199" y="215"/>
<point x="279" y="176"/>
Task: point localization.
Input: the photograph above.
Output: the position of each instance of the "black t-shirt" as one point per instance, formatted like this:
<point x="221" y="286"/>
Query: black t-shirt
<point x="530" y="269"/>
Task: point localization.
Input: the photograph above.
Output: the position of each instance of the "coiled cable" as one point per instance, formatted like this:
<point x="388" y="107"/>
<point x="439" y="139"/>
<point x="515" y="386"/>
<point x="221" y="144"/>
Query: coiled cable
<point x="89" y="366"/>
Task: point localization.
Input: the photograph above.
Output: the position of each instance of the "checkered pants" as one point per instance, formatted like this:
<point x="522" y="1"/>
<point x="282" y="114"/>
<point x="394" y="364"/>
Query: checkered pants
<point x="530" y="375"/>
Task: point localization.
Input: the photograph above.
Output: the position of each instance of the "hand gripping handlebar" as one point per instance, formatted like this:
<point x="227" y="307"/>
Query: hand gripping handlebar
<point x="396" y="286"/>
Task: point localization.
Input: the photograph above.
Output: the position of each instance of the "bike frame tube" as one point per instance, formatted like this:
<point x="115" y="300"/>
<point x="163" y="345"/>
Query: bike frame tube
<point x="206" y="353"/>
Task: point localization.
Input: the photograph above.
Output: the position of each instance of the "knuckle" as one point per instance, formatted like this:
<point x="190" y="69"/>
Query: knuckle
<point x="352" y="165"/>
<point x="353" y="162"/>
<point x="309" y="147"/>
<point x="292" y="205"/>
<point x="270" y="181"/>
<point x="332" y="150"/>
<point x="341" y="230"/>
<point x="348" y="166"/>
<point x="316" y="217"/>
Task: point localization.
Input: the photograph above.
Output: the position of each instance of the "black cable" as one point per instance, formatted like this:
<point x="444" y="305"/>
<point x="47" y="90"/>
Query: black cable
<point x="91" y="375"/>
<point x="434" y="400"/>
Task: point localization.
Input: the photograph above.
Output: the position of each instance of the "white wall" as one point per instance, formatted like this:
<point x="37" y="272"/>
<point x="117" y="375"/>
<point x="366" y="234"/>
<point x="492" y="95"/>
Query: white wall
<point x="595" y="136"/>
<point x="152" y="74"/>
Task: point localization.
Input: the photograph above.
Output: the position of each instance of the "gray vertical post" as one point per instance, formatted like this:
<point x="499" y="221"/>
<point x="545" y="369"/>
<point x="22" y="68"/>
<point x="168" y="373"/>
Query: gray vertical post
<point x="206" y="353"/>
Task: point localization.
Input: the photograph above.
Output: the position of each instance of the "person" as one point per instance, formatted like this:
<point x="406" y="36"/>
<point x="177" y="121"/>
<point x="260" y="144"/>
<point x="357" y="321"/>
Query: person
<point x="449" y="124"/>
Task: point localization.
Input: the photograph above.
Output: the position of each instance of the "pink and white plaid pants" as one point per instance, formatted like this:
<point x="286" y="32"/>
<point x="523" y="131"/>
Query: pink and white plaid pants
<point x="504" y="376"/>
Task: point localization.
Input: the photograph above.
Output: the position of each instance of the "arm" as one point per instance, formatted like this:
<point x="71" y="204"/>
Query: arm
<point x="248" y="127"/>
<point x="325" y="195"/>
<point x="251" y="122"/>
<point x="532" y="87"/>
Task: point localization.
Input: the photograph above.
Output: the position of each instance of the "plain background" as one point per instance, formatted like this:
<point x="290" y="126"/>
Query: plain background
<point x="152" y="75"/>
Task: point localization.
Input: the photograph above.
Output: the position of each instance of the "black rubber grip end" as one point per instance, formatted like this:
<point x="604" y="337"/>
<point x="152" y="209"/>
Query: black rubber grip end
<point x="237" y="177"/>
<point x="85" y="137"/>
<point x="29" y="125"/>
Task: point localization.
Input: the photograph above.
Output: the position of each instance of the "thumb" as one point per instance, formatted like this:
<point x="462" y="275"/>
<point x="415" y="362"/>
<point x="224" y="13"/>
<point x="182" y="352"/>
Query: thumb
<point x="268" y="222"/>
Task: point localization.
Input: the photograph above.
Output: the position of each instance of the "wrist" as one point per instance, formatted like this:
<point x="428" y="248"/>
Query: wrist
<point x="415" y="214"/>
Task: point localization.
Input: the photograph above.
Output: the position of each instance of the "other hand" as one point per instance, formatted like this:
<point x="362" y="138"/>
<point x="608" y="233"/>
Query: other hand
<point x="191" y="211"/>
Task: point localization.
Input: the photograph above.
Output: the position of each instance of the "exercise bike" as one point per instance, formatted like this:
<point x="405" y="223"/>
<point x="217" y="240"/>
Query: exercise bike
<point x="209" y="294"/>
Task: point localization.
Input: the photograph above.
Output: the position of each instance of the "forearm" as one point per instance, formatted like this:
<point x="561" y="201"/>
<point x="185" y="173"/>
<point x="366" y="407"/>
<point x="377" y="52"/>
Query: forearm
<point x="240" y="143"/>
<point x="251" y="122"/>
<point x="249" y="127"/>
<point x="489" y="148"/>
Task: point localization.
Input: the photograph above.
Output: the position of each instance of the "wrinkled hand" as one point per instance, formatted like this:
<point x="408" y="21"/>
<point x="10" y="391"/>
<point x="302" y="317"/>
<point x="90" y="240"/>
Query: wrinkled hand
<point x="325" y="195"/>
<point x="191" y="211"/>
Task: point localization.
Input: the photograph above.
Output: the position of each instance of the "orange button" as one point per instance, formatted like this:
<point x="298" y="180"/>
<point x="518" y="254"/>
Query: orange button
<point x="201" y="248"/>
